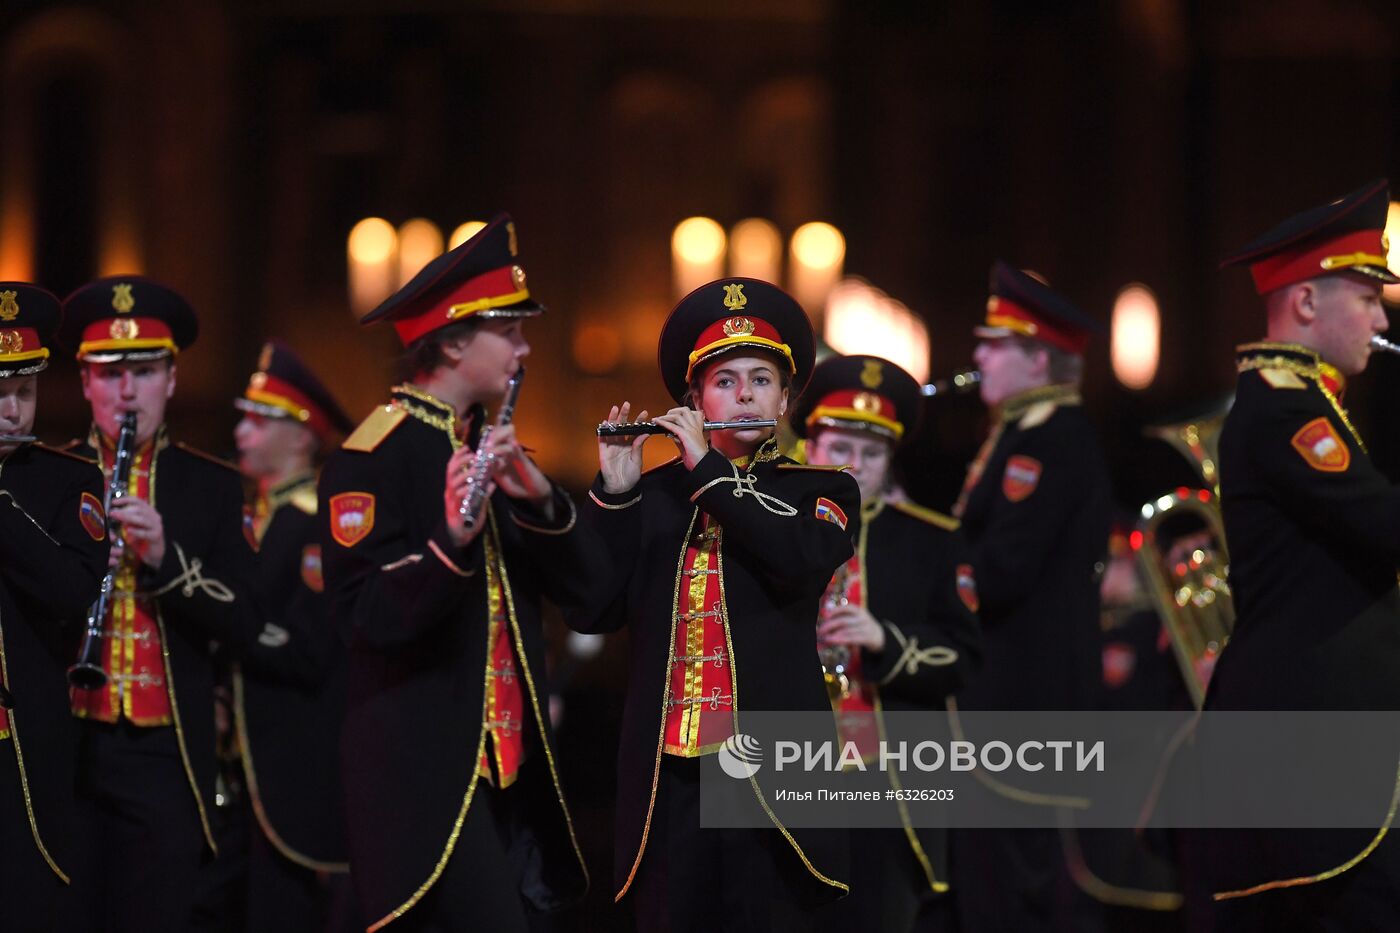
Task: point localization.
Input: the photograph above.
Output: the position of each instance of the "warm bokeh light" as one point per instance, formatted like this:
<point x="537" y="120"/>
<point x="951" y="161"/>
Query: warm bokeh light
<point x="597" y="349"/>
<point x="863" y="319"/>
<point x="420" y="242"/>
<point x="371" y="251"/>
<point x="697" y="253"/>
<point x="818" y="245"/>
<point x="816" y="255"/>
<point x="756" y="249"/>
<point x="1137" y="334"/>
<point x="1392" y="234"/>
<point x="465" y="232"/>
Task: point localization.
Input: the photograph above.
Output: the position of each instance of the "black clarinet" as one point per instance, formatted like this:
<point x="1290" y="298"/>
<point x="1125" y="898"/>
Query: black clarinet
<point x="87" y="673"/>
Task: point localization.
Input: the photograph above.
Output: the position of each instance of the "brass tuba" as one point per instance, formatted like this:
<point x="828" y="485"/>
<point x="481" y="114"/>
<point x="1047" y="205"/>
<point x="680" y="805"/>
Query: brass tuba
<point x="1184" y="557"/>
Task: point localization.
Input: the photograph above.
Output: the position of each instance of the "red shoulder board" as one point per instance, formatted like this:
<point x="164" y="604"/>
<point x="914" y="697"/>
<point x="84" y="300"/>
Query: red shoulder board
<point x="1021" y="477"/>
<point x="1322" y="447"/>
<point x="91" y="516"/>
<point x="311" y="568"/>
<point x="352" y="517"/>
<point x="829" y="511"/>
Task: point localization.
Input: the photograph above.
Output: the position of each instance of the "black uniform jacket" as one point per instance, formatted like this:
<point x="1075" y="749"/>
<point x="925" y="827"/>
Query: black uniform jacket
<point x="52" y="560"/>
<point x="1314" y="535"/>
<point x="204" y="594"/>
<point x="1037" y="521"/>
<point x="920" y="586"/>
<point x="416" y="607"/>
<point x="775" y="557"/>
<point x="290" y="691"/>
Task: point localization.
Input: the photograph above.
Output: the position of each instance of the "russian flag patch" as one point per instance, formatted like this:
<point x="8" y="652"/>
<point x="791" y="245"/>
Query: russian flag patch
<point x="829" y="511"/>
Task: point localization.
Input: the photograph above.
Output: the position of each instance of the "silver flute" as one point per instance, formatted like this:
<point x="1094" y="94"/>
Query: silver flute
<point x="633" y="428"/>
<point x="1380" y="343"/>
<point x="480" y="473"/>
<point x="18" y="438"/>
<point x="956" y="384"/>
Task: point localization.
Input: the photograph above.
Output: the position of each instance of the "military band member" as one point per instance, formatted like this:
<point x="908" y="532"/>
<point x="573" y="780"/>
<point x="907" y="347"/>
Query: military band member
<point x="1314" y="532"/>
<point x="718" y="561"/>
<point x="898" y="627"/>
<point x="53" y="553"/>
<point x="289" y="691"/>
<point x="1036" y="509"/>
<point x="147" y="757"/>
<point x="457" y="818"/>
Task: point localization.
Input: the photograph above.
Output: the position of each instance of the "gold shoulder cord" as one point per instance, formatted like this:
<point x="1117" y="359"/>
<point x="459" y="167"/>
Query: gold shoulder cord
<point x="434" y="419"/>
<point x="1313" y="374"/>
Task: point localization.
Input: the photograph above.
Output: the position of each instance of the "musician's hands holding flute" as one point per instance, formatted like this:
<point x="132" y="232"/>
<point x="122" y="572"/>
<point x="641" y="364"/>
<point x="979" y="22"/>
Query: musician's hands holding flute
<point x="512" y="471"/>
<point x="620" y="456"/>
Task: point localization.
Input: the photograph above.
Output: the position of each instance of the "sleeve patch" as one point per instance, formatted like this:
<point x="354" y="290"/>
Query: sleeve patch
<point x="829" y="511"/>
<point x="91" y="516"/>
<point x="352" y="517"/>
<point x="967" y="587"/>
<point x="1021" y="477"/>
<point x="311" y="568"/>
<point x="1321" y="447"/>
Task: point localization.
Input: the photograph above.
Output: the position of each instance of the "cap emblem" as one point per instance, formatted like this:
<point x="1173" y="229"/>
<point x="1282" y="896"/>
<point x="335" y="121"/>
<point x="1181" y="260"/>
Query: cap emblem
<point x="872" y="375"/>
<point x="992" y="303"/>
<point x="122" y="302"/>
<point x="866" y="402"/>
<point x="517" y="277"/>
<point x="124" y="328"/>
<point x="11" y="341"/>
<point x="734" y="297"/>
<point x="514" y="244"/>
<point x="9" y="307"/>
<point x="265" y="358"/>
<point x="738" y="326"/>
<point x="257" y="381"/>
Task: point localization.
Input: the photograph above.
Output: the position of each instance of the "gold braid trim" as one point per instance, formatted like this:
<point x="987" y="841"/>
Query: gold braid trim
<point x="1309" y="371"/>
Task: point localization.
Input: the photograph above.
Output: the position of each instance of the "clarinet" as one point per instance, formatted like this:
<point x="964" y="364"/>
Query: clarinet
<point x="475" y="499"/>
<point x="87" y="673"/>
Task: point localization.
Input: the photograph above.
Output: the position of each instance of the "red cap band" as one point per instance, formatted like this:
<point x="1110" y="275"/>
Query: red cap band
<point x="1313" y="259"/>
<point x="494" y="289"/>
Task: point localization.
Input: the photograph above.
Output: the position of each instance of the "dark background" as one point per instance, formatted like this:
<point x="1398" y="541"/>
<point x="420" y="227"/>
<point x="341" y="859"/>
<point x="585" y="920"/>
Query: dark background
<point x="228" y="147"/>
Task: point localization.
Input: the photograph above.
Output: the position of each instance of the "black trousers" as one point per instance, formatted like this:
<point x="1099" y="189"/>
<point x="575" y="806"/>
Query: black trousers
<point x="712" y="880"/>
<point x="1017" y="879"/>
<point x="284" y="897"/>
<point x="142" y="844"/>
<point x="887" y="886"/>
<point x="30" y="892"/>
<point x="483" y="892"/>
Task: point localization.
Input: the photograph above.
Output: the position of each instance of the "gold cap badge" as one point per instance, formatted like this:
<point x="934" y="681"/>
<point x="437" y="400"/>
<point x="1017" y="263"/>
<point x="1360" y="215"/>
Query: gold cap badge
<point x="734" y="297"/>
<point x="738" y="326"/>
<point x="11" y="341"/>
<point x="517" y="277"/>
<point x="9" y="307"/>
<point x="514" y="244"/>
<point x="124" y="328"/>
<point x="265" y="357"/>
<point x="872" y="374"/>
<point x="866" y="402"/>
<point x="122" y="302"/>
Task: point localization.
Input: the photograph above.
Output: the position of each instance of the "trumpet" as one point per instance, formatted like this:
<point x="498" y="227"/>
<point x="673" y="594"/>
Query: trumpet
<point x="1380" y="343"/>
<point x="475" y="499"/>
<point x="956" y="384"/>
<point x="87" y="673"/>
<point x="633" y="428"/>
